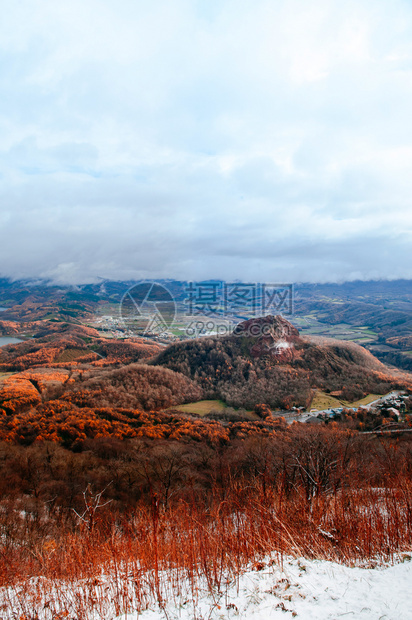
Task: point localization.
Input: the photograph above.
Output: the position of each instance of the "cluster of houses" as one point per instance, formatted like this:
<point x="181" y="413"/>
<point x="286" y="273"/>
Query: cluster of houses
<point x="393" y="405"/>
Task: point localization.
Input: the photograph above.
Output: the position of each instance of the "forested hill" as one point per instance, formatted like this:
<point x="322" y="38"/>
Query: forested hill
<point x="266" y="360"/>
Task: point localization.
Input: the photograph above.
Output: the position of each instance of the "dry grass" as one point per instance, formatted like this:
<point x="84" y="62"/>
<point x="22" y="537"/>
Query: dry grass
<point x="364" y="401"/>
<point x="201" y="407"/>
<point x="315" y="493"/>
<point x="204" y="407"/>
<point x="325" y="401"/>
<point x="54" y="567"/>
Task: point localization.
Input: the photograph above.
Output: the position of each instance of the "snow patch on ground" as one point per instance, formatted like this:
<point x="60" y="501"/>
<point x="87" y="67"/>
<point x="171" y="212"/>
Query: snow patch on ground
<point x="316" y="589"/>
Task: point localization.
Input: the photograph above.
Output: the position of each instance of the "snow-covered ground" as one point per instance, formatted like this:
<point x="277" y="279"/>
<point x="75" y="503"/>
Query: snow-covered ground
<point x="294" y="588"/>
<point x="317" y="590"/>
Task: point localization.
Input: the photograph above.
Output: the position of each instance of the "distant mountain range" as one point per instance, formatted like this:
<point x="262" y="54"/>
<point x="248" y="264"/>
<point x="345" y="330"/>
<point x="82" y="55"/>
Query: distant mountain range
<point x="375" y="314"/>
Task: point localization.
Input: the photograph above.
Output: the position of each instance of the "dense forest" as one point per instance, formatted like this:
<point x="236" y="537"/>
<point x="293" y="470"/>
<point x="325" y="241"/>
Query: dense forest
<point x="77" y="398"/>
<point x="226" y="369"/>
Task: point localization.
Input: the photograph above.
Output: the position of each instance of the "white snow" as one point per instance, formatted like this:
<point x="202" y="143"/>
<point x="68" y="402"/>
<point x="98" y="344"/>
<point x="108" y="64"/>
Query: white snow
<point x="294" y="588"/>
<point x="317" y="590"/>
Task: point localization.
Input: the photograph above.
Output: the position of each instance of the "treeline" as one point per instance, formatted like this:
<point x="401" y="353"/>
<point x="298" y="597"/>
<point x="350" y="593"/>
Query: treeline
<point x="72" y="425"/>
<point x="135" y="386"/>
<point x="312" y="462"/>
<point x="124" y="524"/>
<point x="30" y="309"/>
<point x="317" y="492"/>
<point x="40" y="352"/>
<point x="224" y="369"/>
<point x="116" y="351"/>
<point x="221" y="368"/>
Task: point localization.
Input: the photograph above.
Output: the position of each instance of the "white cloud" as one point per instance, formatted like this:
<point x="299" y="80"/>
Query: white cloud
<point x="265" y="139"/>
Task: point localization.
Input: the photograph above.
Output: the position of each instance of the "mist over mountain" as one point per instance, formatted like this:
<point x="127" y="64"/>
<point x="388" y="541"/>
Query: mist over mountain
<point x="206" y="140"/>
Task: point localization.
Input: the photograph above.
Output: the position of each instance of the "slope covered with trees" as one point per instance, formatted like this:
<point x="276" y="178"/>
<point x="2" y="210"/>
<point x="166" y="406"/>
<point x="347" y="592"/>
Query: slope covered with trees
<point x="72" y="386"/>
<point x="276" y="367"/>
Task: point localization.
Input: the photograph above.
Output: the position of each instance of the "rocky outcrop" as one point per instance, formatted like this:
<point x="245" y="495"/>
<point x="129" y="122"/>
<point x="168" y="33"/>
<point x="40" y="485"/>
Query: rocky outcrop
<point x="270" y="336"/>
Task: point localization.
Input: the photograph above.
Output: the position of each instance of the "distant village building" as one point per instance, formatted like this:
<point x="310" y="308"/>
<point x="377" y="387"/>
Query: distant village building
<point x="314" y="420"/>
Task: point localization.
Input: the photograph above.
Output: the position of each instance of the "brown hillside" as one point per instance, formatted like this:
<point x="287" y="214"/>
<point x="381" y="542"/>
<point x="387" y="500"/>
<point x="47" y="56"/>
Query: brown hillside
<point x="265" y="360"/>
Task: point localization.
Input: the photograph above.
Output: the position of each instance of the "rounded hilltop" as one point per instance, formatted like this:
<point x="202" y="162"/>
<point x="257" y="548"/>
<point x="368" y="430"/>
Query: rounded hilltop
<point x="265" y="360"/>
<point x="271" y="336"/>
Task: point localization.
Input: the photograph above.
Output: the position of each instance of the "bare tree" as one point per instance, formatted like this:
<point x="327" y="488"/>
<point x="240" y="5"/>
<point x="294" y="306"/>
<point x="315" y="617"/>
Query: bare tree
<point x="93" y="502"/>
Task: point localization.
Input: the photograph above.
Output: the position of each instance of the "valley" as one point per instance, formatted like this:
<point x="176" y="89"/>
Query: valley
<point x="127" y="457"/>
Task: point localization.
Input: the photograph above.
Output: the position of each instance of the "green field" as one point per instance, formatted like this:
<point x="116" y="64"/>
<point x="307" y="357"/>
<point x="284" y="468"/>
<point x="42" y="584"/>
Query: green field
<point x="309" y="325"/>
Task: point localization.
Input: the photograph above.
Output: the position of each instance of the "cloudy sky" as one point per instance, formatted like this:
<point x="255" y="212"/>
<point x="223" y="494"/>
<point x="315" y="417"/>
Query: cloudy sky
<point x="238" y="139"/>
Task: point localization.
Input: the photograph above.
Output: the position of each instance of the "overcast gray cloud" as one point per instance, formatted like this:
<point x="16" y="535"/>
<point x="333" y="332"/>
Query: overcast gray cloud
<point x="249" y="139"/>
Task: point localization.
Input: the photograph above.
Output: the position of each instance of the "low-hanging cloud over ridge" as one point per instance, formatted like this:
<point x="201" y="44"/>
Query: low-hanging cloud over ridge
<point x="196" y="139"/>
